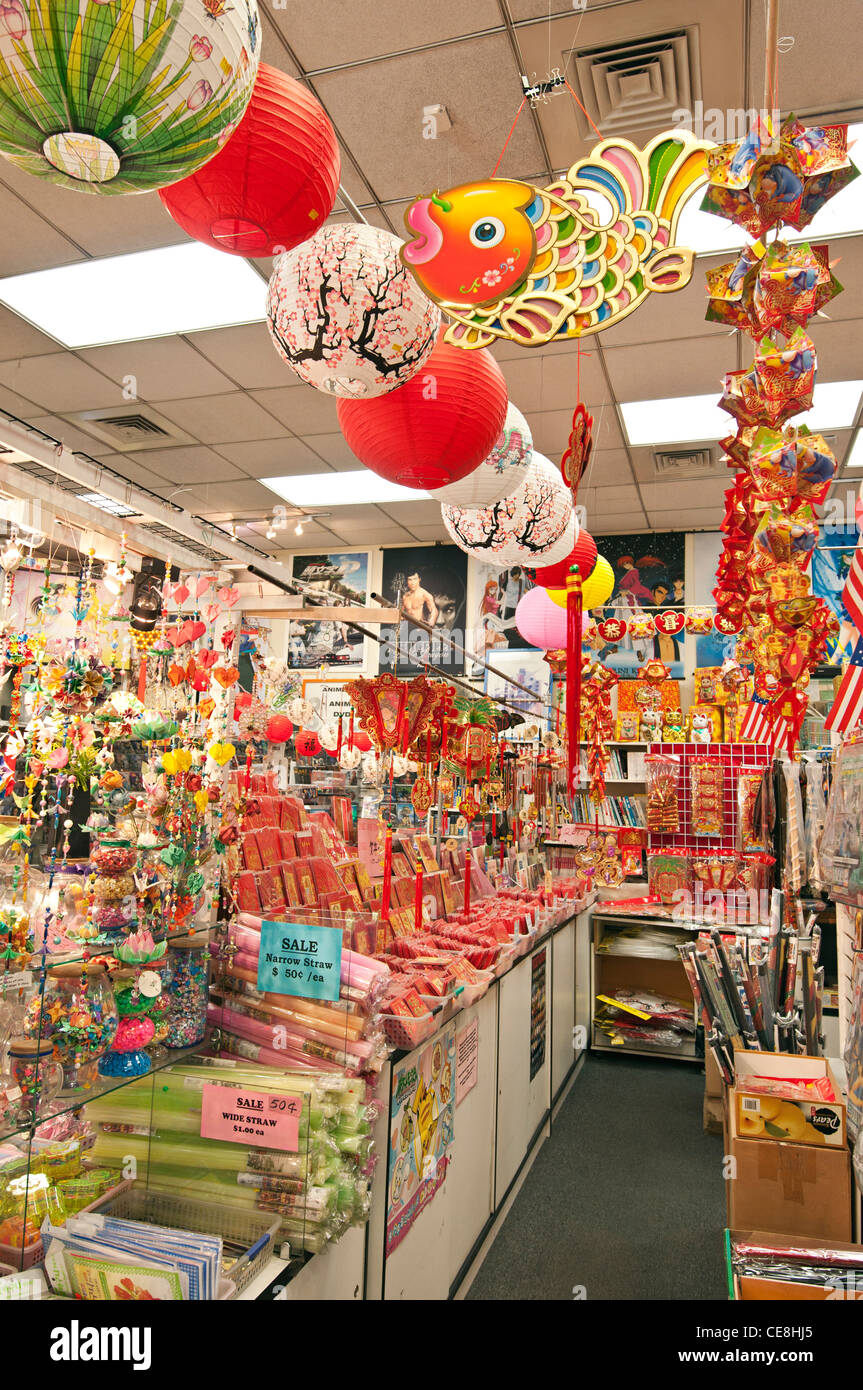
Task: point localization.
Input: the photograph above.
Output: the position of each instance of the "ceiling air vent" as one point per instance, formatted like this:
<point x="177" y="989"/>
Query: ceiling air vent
<point x="131" y="429"/>
<point x="639" y="83"/>
<point x="683" y="463"/>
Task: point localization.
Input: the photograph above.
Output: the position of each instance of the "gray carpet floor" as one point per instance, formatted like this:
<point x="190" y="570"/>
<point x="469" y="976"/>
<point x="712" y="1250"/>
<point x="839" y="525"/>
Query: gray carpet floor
<point x="625" y="1200"/>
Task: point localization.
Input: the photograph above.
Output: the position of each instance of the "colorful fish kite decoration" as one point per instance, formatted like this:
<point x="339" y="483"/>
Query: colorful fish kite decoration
<point x="505" y="259"/>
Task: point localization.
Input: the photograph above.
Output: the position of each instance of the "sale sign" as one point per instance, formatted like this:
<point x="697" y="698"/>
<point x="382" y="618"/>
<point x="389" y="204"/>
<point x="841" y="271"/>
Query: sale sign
<point x="271" y="1121"/>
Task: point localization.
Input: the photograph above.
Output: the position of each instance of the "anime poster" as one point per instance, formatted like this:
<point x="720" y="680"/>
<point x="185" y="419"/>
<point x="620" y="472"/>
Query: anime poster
<point x="422" y="1122"/>
<point x="831" y="561"/>
<point x="430" y="584"/>
<point x="495" y="596"/>
<point x="338" y="578"/>
<point x="711" y="648"/>
<point x="530" y="669"/>
<point x="649" y="574"/>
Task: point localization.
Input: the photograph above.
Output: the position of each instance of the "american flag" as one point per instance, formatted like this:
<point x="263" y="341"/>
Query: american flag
<point x="755" y="726"/>
<point x="848" y="706"/>
<point x="852" y="594"/>
<point x="760" y="726"/>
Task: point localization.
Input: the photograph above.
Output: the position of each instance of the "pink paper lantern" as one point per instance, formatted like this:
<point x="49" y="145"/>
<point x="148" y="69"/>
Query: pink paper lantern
<point x="540" y="621"/>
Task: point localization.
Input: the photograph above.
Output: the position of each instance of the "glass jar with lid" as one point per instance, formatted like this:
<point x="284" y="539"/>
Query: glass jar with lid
<point x="77" y="1013"/>
<point x="188" y="982"/>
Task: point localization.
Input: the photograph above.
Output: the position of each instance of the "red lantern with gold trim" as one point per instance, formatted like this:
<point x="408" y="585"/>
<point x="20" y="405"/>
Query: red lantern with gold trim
<point x="275" y="181"/>
<point x="308" y="745"/>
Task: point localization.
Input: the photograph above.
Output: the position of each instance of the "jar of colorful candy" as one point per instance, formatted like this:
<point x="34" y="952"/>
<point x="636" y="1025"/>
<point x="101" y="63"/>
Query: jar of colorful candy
<point x="78" y="1014"/>
<point x="35" y="1072"/>
<point x="187" y="990"/>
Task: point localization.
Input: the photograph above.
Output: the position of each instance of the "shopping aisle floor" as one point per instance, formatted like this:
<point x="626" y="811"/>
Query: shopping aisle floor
<point x="626" y="1198"/>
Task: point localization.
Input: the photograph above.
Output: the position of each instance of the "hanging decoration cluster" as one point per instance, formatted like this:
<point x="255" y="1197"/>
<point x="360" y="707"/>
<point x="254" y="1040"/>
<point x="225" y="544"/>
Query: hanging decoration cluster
<point x="783" y="472"/>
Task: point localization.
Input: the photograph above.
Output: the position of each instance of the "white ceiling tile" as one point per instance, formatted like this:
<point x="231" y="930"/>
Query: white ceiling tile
<point x="246" y="354"/>
<point x="615" y="499"/>
<point x="14" y="404"/>
<point x="303" y="409"/>
<point x="838" y="348"/>
<point x="687" y="367"/>
<point x="136" y="472"/>
<point x="18" y="338"/>
<point x="334" y="450"/>
<point x="231" y="497"/>
<point x="221" y="419"/>
<point x="100" y="226"/>
<point x="468" y="80"/>
<point x="619" y="523"/>
<point x="274" y="458"/>
<point x="190" y="464"/>
<point x="409" y="513"/>
<point x="29" y="241"/>
<point x="562" y="378"/>
<point x="60" y="382"/>
<point x="157" y="369"/>
<point x="70" y="435"/>
<point x="694" y="519"/>
<point x="608" y="468"/>
<point x="322" y="36"/>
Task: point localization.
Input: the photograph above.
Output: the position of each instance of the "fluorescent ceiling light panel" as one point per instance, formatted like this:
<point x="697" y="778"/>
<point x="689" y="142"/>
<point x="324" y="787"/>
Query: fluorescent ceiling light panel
<point x="176" y="289"/>
<point x="855" y="458"/>
<point x="106" y="504"/>
<point x="341" y="489"/>
<point x="708" y="234"/>
<point x="691" y="419"/>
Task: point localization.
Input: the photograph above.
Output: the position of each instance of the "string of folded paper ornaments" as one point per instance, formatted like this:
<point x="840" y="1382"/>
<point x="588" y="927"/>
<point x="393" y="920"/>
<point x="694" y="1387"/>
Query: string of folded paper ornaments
<point x="246" y="161"/>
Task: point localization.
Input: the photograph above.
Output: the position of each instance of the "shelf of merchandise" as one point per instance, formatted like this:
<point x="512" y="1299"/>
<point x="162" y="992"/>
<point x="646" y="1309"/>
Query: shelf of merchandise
<point x="661" y="974"/>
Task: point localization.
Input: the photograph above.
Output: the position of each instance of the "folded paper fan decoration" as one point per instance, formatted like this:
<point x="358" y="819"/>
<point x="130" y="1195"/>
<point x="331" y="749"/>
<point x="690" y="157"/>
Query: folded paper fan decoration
<point x="122" y="97"/>
<point x="274" y="182"/>
<point x="436" y="428"/>
<point x="500" y="473"/>
<point x="345" y="314"/>
<point x="520" y="528"/>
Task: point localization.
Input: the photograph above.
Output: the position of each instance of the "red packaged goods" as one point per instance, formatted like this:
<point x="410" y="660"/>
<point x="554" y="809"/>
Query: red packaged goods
<point x="306" y="880"/>
<point x="269" y="809"/>
<point x="398" y="1006"/>
<point x="290" y="885"/>
<point x="325" y="876"/>
<point x="287" y="845"/>
<point x="285" y="822"/>
<point x="304" y="843"/>
<point x="401" y="867"/>
<point x="295" y="813"/>
<point x="364" y="883"/>
<point x="268" y="844"/>
<point x="318" y="842"/>
<point x="415" y="1004"/>
<point x="247" y="893"/>
<point x="271" y="892"/>
<point x="403" y="891"/>
<point x="343" y="817"/>
<point x="251" y="852"/>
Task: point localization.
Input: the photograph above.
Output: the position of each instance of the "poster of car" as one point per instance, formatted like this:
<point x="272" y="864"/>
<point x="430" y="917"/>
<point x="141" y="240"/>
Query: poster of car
<point x="649" y="574"/>
<point x="429" y="584"/>
<point x="422" y="1123"/>
<point x="330" y="579"/>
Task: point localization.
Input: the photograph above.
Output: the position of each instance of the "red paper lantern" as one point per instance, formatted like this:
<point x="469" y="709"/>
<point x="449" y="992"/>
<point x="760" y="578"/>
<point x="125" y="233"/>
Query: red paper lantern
<point x="279" y="729"/>
<point x="436" y="428"/>
<point x="243" y="699"/>
<point x="274" y="182"/>
<point x="308" y="744"/>
<point x="362" y="741"/>
<point x="583" y="554"/>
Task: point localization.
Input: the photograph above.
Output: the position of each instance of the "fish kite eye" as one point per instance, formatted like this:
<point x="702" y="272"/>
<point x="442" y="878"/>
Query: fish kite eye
<point x="488" y="231"/>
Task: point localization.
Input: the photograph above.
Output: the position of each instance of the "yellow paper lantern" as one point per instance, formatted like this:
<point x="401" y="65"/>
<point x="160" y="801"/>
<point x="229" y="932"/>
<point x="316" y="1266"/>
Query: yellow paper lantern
<point x="596" y="589"/>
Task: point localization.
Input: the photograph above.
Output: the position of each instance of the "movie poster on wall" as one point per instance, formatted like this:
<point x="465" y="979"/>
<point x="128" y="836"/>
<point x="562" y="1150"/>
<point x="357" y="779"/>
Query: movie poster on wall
<point x="341" y="577"/>
<point x="494" y="596"/>
<point x="831" y="561"/>
<point x="649" y="575"/>
<point x="422" y="1123"/>
<point x="431" y="583"/>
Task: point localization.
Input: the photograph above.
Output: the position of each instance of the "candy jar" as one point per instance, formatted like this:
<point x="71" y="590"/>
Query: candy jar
<point x="115" y="906"/>
<point x="135" y="1029"/>
<point x="187" y="990"/>
<point x="78" y="1014"/>
<point x="34" y="1072"/>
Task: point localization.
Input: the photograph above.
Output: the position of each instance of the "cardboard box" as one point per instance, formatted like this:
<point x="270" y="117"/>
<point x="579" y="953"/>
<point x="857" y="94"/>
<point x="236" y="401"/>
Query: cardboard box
<point x="801" y="1189"/>
<point x="713" y="1083"/>
<point x="712" y="1114"/>
<point x="779" y="1116"/>
<point x="751" y="1289"/>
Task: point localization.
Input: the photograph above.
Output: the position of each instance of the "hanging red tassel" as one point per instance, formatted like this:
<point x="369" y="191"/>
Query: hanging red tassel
<point x="444" y="742"/>
<point x="339" y="740"/>
<point x="573" y="674"/>
<point x="351" y="731"/>
<point x="467" y="883"/>
<point x="248" y="767"/>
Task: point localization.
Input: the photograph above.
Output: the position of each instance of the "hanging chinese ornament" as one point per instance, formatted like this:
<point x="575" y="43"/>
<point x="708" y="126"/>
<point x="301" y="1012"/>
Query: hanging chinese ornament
<point x="122" y="98"/>
<point x="506" y="259"/>
<point x="770" y="178"/>
<point x="576" y="457"/>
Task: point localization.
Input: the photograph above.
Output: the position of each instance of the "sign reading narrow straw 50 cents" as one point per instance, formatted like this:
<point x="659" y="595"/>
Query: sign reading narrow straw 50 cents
<point x="300" y="960"/>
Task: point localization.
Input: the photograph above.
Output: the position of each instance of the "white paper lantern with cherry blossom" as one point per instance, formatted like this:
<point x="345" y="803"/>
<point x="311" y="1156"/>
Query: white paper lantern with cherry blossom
<point x="347" y="316"/>
<point x="518" y="529"/>
<point x="501" y="473"/>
